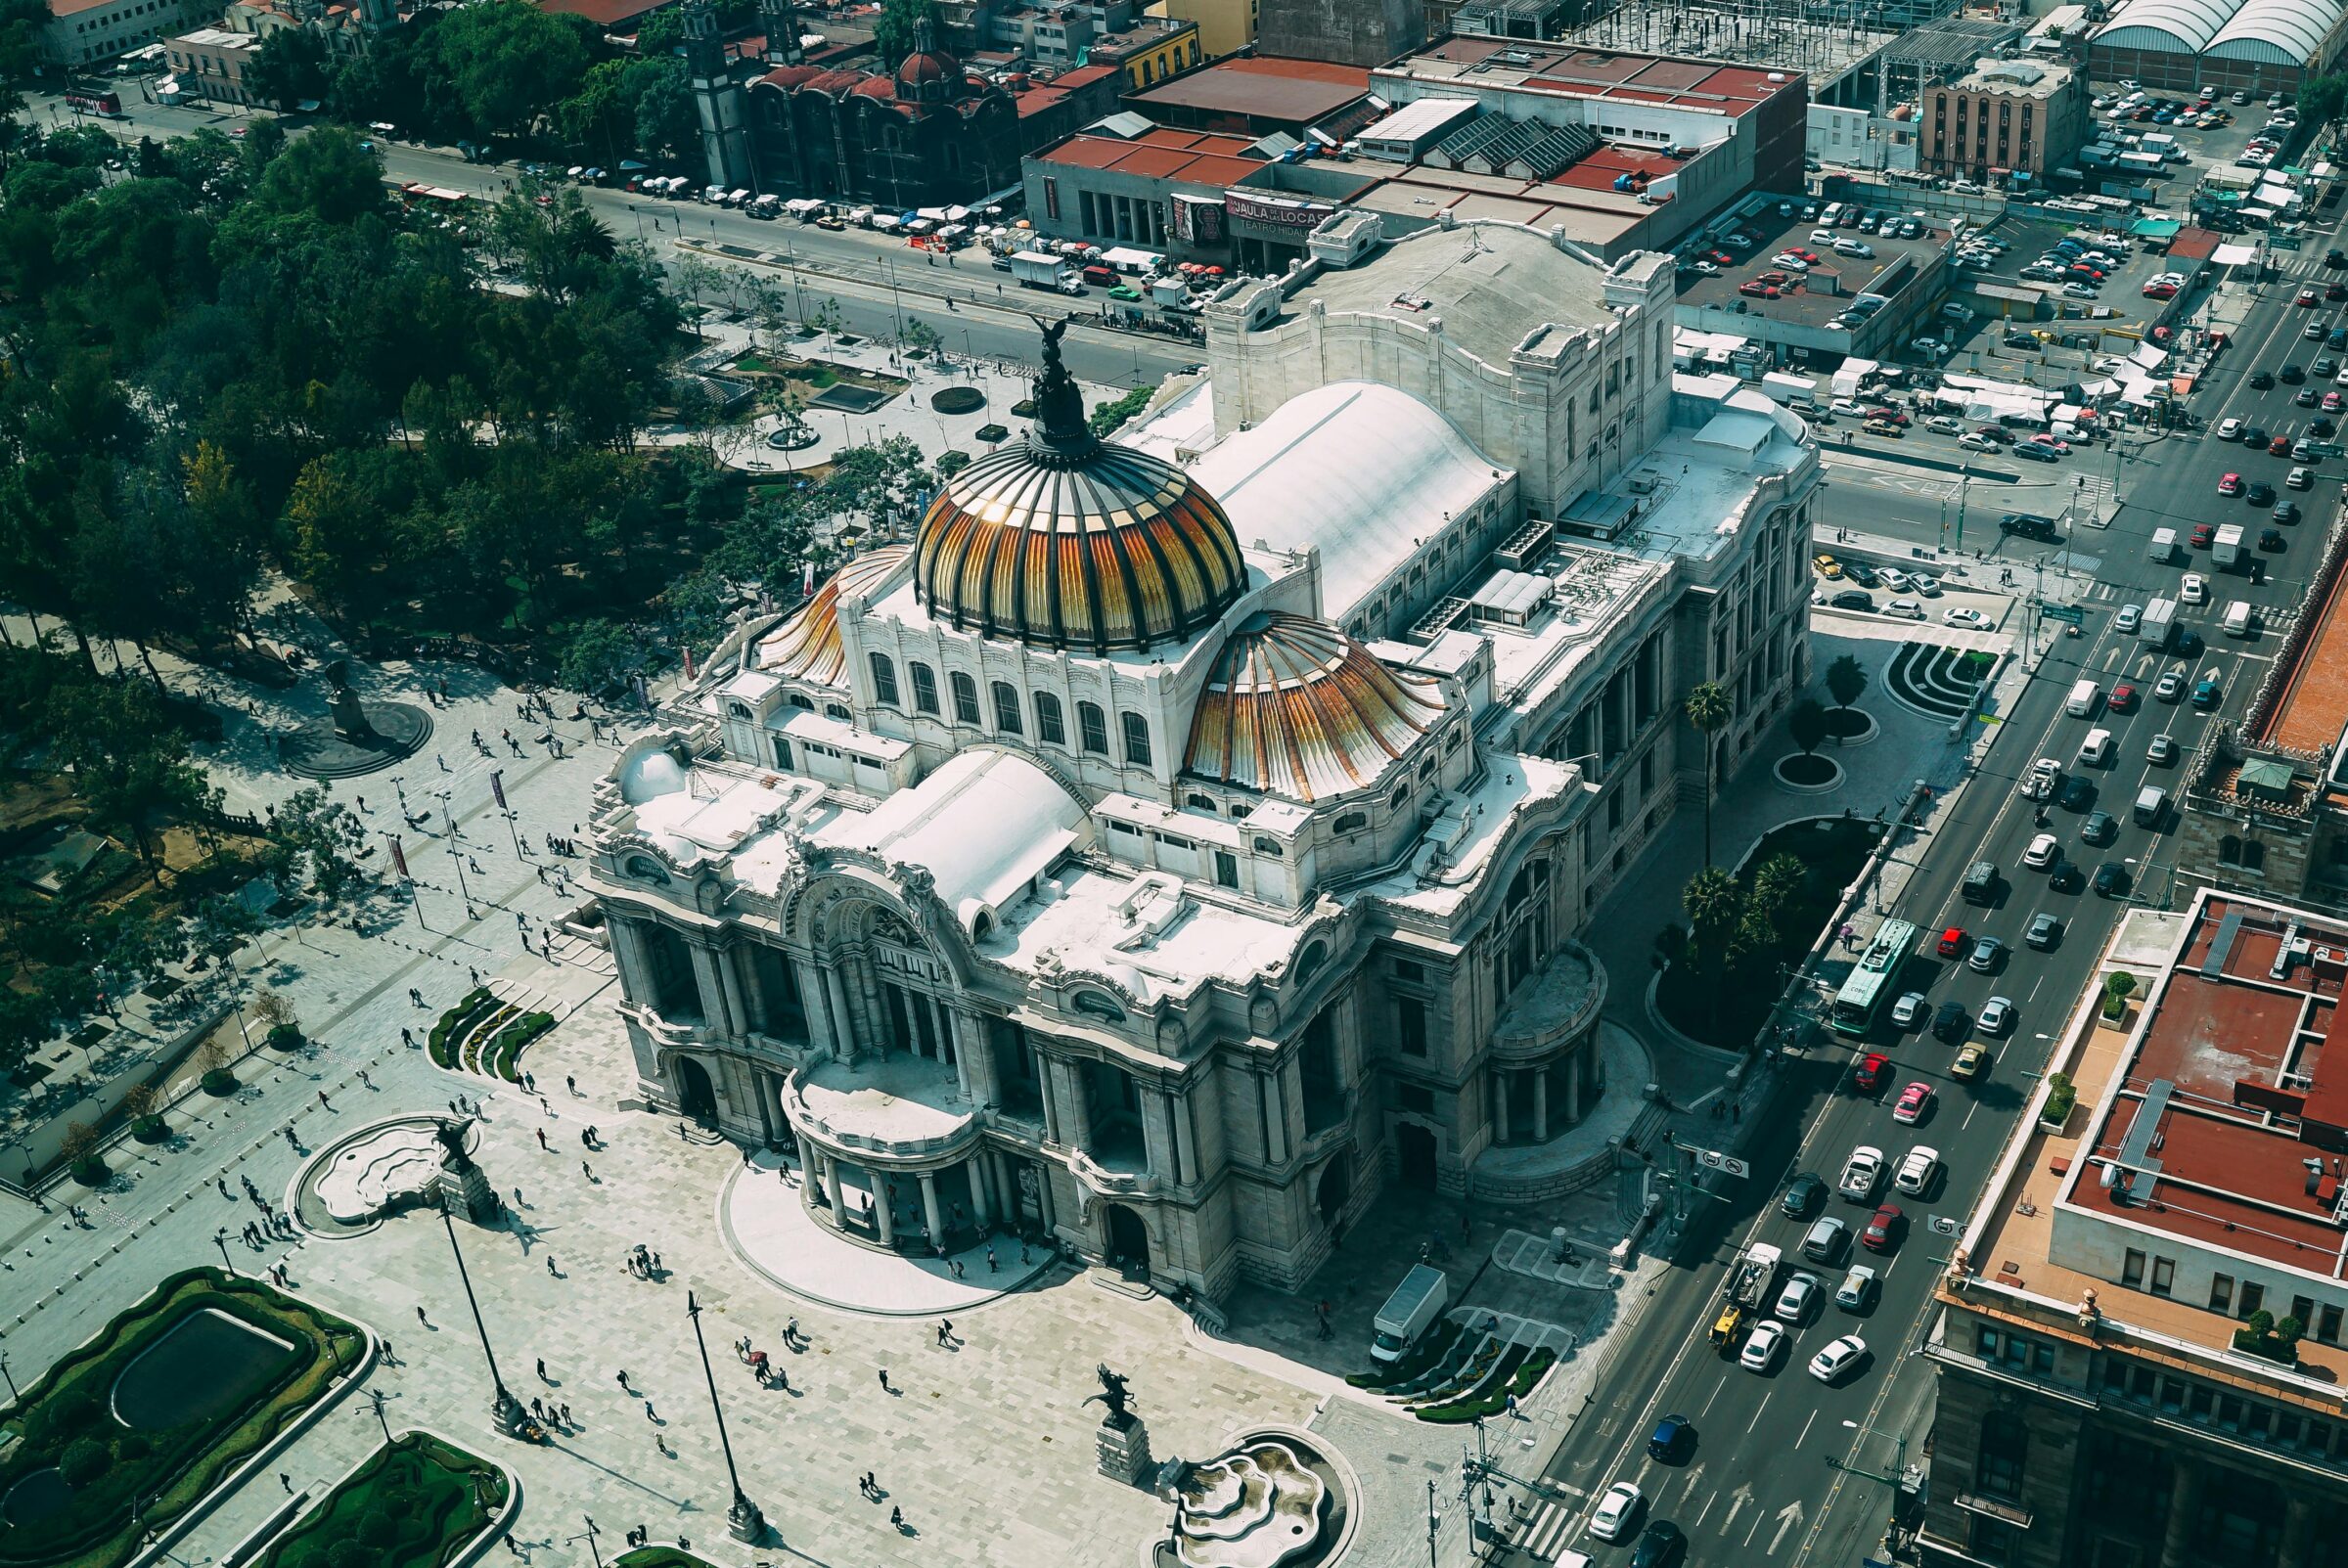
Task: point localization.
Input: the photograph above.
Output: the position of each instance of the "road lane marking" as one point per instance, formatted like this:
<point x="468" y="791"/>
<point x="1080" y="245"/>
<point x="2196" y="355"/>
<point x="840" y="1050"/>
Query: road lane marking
<point x="1797" y="1441"/>
<point x="1709" y="1398"/>
<point x="1757" y="1409"/>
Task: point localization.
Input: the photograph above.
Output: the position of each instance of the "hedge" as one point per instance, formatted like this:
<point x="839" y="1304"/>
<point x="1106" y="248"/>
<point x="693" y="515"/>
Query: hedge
<point x="467" y="1045"/>
<point x="1420" y="1360"/>
<point x="150" y="1129"/>
<point x="220" y="1082"/>
<point x="91" y="1171"/>
<point x="504" y="1053"/>
<point x="413" y="1505"/>
<point x="1521" y="1382"/>
<point x="443" y="1054"/>
<point x="285" y="1037"/>
<point x="168" y="1471"/>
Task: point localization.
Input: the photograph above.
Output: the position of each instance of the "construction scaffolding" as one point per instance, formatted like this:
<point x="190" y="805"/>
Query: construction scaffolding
<point x="1822" y="38"/>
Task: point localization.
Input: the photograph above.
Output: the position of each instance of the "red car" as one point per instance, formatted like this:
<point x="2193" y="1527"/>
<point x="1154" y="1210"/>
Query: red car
<point x="1889" y="416"/>
<point x="1953" y="943"/>
<point x="2053" y="443"/>
<point x="2306" y="300"/>
<point x="2230" y="484"/>
<point x="2332" y="402"/>
<point x="2122" y="699"/>
<point x="1759" y="289"/>
<point x="1781" y="279"/>
<point x="1869" y="1075"/>
<point x="2280" y="447"/>
<point x="1913" y="1102"/>
<point x="1884" y="1230"/>
<point x="2160" y="291"/>
<point x="1721" y="258"/>
<point x="1993" y="432"/>
<point x="2336" y="292"/>
<point x="2204" y="532"/>
<point x="1810" y="256"/>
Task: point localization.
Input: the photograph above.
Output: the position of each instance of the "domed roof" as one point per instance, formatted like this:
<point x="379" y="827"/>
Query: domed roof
<point x="650" y="775"/>
<point x="873" y="87"/>
<point x="1296" y="708"/>
<point x="807" y="646"/>
<point x="927" y="66"/>
<point x="1066" y="541"/>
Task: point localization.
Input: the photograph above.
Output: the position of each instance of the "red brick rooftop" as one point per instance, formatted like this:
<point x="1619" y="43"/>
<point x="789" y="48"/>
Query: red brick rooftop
<point x="1267" y="86"/>
<point x="2242" y="1057"/>
<point x="1596" y="74"/>
<point x="2313" y="707"/>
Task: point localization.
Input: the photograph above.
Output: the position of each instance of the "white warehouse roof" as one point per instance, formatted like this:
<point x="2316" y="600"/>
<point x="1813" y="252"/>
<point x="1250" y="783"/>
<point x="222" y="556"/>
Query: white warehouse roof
<point x="2278" y="31"/>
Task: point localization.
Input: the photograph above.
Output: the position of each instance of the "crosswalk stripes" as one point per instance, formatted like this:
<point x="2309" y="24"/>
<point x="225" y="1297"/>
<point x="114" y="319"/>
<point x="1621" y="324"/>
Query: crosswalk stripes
<point x="1545" y="1531"/>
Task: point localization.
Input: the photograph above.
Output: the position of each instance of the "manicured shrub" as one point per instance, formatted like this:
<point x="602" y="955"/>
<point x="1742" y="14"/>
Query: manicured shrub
<point x="285" y="1037"/>
<point x="220" y="1082"/>
<point x="90" y="1171"/>
<point x="84" y="1460"/>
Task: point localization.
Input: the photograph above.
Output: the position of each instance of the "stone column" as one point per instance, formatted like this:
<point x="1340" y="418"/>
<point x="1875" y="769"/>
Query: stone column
<point x="1500" y="1104"/>
<point x="2298" y="1532"/>
<point x="1155" y="1141"/>
<point x="1576" y="1065"/>
<point x="1186" y="1144"/>
<point x="634" y="964"/>
<point x="949" y="1046"/>
<point x="974" y="1050"/>
<point x="712" y="991"/>
<point x="729" y="983"/>
<point x="756" y="1013"/>
<point x="883" y="1210"/>
<point x="2185" y="1501"/>
<point x="830" y="1180"/>
<point x="937" y="1226"/>
<point x="982" y="1200"/>
<point x="1049" y="1084"/>
<point x="843" y="1022"/>
<point x="1540" y="1105"/>
<point x="1075" y="1119"/>
<point x="815" y="1000"/>
<point x="1276" y="1118"/>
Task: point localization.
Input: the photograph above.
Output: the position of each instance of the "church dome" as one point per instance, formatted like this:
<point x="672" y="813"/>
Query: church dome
<point x="927" y="67"/>
<point x="1065" y="541"/>
<point x="1296" y="708"/>
<point x="807" y="646"/>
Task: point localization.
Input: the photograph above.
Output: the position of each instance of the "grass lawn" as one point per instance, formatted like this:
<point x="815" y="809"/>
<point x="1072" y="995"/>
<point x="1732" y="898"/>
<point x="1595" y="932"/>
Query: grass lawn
<point x="658" y="1557"/>
<point x="413" y="1505"/>
<point x="1731" y="1011"/>
<point x="68" y="1423"/>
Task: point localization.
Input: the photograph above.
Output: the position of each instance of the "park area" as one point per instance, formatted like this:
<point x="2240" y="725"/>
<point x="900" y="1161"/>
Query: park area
<point x="162" y="1405"/>
<point x="414" y="1503"/>
<point x="1728" y="964"/>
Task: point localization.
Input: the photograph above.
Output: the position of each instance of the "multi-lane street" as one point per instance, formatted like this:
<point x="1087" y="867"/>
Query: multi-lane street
<point x="1784" y="1469"/>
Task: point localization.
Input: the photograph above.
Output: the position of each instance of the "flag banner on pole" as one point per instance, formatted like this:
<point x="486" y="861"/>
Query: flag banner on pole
<point x="688" y="652"/>
<point x="399" y="858"/>
<point x="497" y="787"/>
<point x="807" y="579"/>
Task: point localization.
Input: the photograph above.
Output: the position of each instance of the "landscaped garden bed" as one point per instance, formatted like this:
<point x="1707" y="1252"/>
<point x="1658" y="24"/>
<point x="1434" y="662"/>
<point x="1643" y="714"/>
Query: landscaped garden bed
<point x="134" y="1427"/>
<point x="445" y="1035"/>
<point x="414" y="1503"/>
<point x="1414" y="1364"/>
<point x="958" y="400"/>
<point x="1518" y="1373"/>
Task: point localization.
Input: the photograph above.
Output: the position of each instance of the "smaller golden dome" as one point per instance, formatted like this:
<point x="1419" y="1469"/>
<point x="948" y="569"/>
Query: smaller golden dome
<point x="1296" y="708"/>
<point x="807" y="646"/>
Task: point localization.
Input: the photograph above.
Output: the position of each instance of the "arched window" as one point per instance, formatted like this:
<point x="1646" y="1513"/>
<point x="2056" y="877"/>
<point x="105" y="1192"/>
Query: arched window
<point x="1007" y="707"/>
<point x="1402" y="793"/>
<point x="738" y="710"/>
<point x="1309" y="962"/>
<point x="1202" y="802"/>
<point x="804" y="702"/>
<point x="925" y="686"/>
<point x="1136" y="739"/>
<point x="839" y="711"/>
<point x="1268" y="846"/>
<point x="2229" y="851"/>
<point x="884" y="679"/>
<point x="1047" y="726"/>
<point x="965" y="698"/>
<point x="1353" y="822"/>
<point x="1092" y="727"/>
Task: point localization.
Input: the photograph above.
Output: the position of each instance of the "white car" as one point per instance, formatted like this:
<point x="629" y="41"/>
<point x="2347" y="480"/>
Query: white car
<point x="2130" y="617"/>
<point x="1893" y="578"/>
<point x="1705" y="269"/>
<point x="1945" y="424"/>
<point x="1925" y="583"/>
<point x="1618" y="1511"/>
<point x="1796" y="1299"/>
<point x="1916" y="1170"/>
<point x="1906" y="609"/>
<point x="1911" y="1009"/>
<point x="2298" y="479"/>
<point x="1970" y="619"/>
<point x="2195" y="589"/>
<point x="1977" y="442"/>
<point x="1821" y="237"/>
<point x="1761" y="1347"/>
<point x="2043" y="851"/>
<point x="1838" y="1358"/>
<point x="1860" y="1174"/>
<point x="1996" y="1016"/>
<point x="1847" y="405"/>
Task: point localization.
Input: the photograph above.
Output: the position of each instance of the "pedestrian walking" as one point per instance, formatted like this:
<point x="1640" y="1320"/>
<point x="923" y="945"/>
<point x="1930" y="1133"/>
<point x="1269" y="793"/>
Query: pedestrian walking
<point x="285" y="1481"/>
<point x="885" y="1388"/>
<point x="945" y="1330"/>
<point x="990" y="1260"/>
<point x="407" y="1037"/>
<point x="416" y="996"/>
<point x="586" y="1170"/>
<point x="517" y="1203"/>
<point x="648" y="1413"/>
<point x="221" y="1181"/>
<point x="1737" y="1111"/>
<point x="624" y="1379"/>
<point x="585" y="1142"/>
<point x="896" y="1515"/>
<point x="656" y="1263"/>
<point x="956" y="1266"/>
<point x="322" y="1100"/>
<point x="790" y="1333"/>
<point x="550" y="1265"/>
<point x="364" y="1080"/>
<point x="420" y="1317"/>
<point x="593" y="1137"/>
<point x="529" y="1083"/>
<point x="537" y="1409"/>
<point x="542" y="1138"/>
<point x="542" y="1377"/>
<point x="571" y="1083"/>
<point x="510" y="1547"/>
<point x="565" y="1410"/>
<point x="542" y="1104"/>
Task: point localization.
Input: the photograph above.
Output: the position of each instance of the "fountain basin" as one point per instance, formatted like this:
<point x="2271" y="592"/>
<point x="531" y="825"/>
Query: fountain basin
<point x="387" y="1167"/>
<point x="1255" y="1506"/>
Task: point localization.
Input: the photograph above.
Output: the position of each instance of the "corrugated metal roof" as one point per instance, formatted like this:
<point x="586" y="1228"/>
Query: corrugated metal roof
<point x="2186" y="25"/>
<point x="2285" y="33"/>
<point x="1296" y="708"/>
<point x="807" y="646"/>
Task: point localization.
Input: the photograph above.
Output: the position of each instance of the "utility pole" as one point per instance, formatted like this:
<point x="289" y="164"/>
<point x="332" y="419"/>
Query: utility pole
<point x="1898" y="1478"/>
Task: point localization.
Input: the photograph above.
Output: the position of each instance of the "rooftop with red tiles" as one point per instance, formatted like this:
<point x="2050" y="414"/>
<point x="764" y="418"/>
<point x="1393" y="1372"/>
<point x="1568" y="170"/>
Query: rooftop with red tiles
<point x="2311" y="710"/>
<point x="1580" y="72"/>
<point x="1195" y="157"/>
<point x="1299" y="90"/>
<point x="2225" y="1120"/>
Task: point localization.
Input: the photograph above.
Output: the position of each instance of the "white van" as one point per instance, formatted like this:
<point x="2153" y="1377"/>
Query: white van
<point x="2086" y="697"/>
<point x="2238" y="618"/>
<point x="2095" y="750"/>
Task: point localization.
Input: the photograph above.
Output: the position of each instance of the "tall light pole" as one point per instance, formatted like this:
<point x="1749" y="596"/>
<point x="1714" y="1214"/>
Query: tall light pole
<point x="588" y="1534"/>
<point x="503" y="1406"/>
<point x="744" y="1521"/>
<point x="220" y="1240"/>
<point x="10" y="1377"/>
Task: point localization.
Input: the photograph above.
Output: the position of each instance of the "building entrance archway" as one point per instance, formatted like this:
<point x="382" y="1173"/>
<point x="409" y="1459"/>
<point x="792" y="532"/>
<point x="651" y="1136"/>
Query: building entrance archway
<point x="1335" y="1186"/>
<point x="1128" y="1242"/>
<point x="1414" y="1155"/>
<point x="696" y="1096"/>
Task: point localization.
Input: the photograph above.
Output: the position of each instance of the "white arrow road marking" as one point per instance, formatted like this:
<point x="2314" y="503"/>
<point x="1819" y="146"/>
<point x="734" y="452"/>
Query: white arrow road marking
<point x="1736" y="1501"/>
<point x="1788" y="1517"/>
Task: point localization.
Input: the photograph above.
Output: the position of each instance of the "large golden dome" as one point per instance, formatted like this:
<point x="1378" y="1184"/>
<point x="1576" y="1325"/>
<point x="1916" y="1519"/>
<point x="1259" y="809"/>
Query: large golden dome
<point x="1296" y="708"/>
<point x="1065" y="541"/>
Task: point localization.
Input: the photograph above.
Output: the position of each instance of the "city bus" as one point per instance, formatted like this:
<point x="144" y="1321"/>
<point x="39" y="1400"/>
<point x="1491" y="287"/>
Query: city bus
<point x="1862" y="995"/>
<point x="94" y="97"/>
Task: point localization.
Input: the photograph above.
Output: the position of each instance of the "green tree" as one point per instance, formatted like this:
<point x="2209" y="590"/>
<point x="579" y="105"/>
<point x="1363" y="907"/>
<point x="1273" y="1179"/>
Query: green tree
<point x="288" y="68"/>
<point x="1771" y="898"/>
<point x="2321" y="99"/>
<point x="1846" y="680"/>
<point x="130" y="763"/>
<point x="1806" y="723"/>
<point x="328" y="837"/>
<point x="1715" y="904"/>
<point x="327" y="175"/>
<point x="503" y="64"/>
<point x="895" y="28"/>
<point x="668" y="126"/>
<point x="1708" y="708"/>
<point x="597" y="656"/>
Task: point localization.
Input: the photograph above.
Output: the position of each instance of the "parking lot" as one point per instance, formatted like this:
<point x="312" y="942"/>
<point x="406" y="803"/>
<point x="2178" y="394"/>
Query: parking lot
<point x="1826" y="289"/>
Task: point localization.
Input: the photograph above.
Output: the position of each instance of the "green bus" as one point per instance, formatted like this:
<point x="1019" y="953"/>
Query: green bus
<point x="1863" y="994"/>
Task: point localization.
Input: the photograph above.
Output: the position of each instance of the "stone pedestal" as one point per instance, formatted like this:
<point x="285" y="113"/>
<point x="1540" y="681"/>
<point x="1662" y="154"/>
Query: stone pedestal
<point x="468" y="1191"/>
<point x="1122" y="1446"/>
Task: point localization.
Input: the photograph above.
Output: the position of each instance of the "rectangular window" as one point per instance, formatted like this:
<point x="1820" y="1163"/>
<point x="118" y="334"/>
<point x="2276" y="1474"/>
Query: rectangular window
<point x="2164" y="1275"/>
<point x="2327" y="1324"/>
<point x="1226" y="869"/>
<point x="2204" y="1399"/>
<point x="1047" y="726"/>
<point x="924" y="687"/>
<point x="1410" y="1025"/>
<point x="966" y="697"/>
<point x="1409" y="970"/>
<point x="2132" y="1270"/>
<point x="2303" y="1308"/>
<point x="2253" y="1297"/>
<point x="1136" y="739"/>
<point x="1093" y="728"/>
<point x="1051" y="197"/>
<point x="885" y="680"/>
<point x="2221" y="1292"/>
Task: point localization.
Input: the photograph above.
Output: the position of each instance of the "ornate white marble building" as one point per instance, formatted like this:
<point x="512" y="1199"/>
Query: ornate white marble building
<point x="1182" y="838"/>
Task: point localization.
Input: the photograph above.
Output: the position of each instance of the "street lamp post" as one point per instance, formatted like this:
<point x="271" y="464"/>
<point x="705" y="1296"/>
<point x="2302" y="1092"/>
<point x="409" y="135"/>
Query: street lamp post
<point x="744" y="1521"/>
<point x="503" y="1406"/>
<point x="1434" y="1524"/>
<point x="376" y="1399"/>
<point x="9" y="1377"/>
<point x="588" y="1534"/>
<point x="220" y="1240"/>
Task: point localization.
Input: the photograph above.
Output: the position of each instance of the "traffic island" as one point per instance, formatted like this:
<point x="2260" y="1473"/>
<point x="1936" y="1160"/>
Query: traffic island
<point x="419" y="1502"/>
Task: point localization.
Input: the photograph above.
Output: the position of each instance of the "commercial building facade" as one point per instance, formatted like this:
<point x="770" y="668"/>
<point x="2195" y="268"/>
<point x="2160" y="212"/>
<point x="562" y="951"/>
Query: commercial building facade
<point x="2140" y="1344"/>
<point x="1174" y="905"/>
<point x="2017" y="117"/>
<point x="84" y="32"/>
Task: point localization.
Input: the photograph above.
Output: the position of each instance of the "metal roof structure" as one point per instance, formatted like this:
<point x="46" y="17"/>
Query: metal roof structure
<point x="1296" y="708"/>
<point x="2275" y="31"/>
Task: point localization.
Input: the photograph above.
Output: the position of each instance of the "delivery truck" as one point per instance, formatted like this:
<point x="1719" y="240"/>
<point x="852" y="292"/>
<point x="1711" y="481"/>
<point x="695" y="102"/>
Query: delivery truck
<point x="1752" y="1280"/>
<point x="2159" y="624"/>
<point x="2164" y="546"/>
<point x="1415" y="1304"/>
<point x="1036" y="270"/>
<point x="2226" y="550"/>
